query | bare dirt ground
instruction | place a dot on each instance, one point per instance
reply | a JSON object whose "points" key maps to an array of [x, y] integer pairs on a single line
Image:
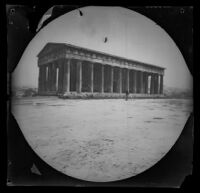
{"points": [[101, 140]]}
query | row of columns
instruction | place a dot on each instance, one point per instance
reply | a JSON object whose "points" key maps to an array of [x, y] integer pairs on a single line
{"points": [[56, 77]]}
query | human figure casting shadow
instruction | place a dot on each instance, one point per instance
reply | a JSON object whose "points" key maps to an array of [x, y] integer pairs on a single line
{"points": [[127, 93]]}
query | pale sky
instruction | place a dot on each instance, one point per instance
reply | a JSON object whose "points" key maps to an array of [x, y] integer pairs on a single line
{"points": [[130, 35]]}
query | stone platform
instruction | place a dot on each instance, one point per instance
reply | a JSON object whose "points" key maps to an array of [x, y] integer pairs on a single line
{"points": [[88, 95]]}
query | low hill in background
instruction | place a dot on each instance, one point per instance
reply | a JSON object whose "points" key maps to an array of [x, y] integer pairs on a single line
{"points": [[169, 92], [172, 92], [23, 91]]}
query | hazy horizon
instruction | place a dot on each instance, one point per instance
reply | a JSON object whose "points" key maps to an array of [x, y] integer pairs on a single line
{"points": [[130, 35]]}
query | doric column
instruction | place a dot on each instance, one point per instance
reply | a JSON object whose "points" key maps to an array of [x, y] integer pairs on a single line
{"points": [[134, 81], [152, 84], [79, 77], [45, 78], [66, 79], [149, 83], [161, 84], [120, 80], [40, 79], [68, 75], [91, 77], [156, 84], [127, 80], [102, 78], [111, 80], [49, 76], [57, 77], [60, 77], [141, 83], [145, 83], [53, 75]]}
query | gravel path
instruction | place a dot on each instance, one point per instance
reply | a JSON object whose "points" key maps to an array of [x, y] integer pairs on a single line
{"points": [[101, 140]]}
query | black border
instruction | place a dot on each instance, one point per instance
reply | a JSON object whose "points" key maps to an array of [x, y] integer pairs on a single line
{"points": [[185, 55]]}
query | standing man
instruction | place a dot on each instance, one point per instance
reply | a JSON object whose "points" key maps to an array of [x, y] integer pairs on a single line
{"points": [[127, 93]]}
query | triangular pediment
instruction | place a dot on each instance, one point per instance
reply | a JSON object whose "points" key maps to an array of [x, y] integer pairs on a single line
{"points": [[49, 48]]}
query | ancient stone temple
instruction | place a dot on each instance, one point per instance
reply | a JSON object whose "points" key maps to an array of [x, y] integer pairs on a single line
{"points": [[66, 70]]}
